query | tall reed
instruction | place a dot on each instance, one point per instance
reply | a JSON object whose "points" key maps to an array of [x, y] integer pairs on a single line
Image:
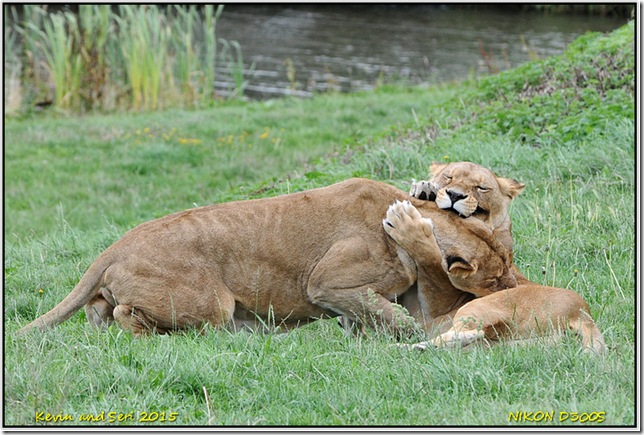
{"points": [[186, 51], [56, 42], [234, 62], [133, 57], [12, 66], [144, 48], [211, 17], [95, 27]]}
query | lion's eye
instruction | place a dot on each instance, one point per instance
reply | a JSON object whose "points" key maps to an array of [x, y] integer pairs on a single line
{"points": [[447, 177], [483, 189]]}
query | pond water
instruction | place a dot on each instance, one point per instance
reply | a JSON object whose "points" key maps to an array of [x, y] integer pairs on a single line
{"points": [[303, 49]]}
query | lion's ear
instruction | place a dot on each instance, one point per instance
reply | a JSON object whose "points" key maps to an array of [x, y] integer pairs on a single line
{"points": [[435, 168], [510, 187], [457, 265]]}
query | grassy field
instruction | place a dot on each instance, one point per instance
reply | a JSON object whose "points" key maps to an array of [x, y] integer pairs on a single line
{"points": [[564, 126]]}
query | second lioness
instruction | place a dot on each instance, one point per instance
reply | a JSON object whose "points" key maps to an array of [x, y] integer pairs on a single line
{"points": [[477, 263], [469, 190]]}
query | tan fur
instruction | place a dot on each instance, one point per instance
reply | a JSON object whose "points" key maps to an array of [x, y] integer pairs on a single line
{"points": [[477, 263], [468, 188], [473, 259], [486, 197], [436, 299], [524, 312], [279, 261]]}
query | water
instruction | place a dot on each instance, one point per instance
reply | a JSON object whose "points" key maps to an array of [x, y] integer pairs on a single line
{"points": [[349, 48]]}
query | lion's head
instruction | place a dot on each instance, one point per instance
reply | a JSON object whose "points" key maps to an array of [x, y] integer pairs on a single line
{"points": [[470, 189], [471, 255], [474, 260]]}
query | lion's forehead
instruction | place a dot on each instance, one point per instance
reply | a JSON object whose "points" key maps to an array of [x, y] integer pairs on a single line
{"points": [[470, 177]]}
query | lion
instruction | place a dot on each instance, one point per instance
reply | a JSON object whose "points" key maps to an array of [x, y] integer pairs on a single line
{"points": [[479, 264], [281, 261]]}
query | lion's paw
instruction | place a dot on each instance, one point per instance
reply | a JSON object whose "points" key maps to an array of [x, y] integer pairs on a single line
{"points": [[423, 190], [405, 224], [453, 338]]}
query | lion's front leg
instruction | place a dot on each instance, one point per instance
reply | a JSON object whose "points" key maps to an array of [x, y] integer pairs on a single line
{"points": [[357, 282], [367, 307]]}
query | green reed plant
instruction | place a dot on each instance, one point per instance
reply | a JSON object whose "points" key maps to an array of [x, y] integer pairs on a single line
{"points": [[194, 47], [105, 58], [186, 51], [95, 27], [145, 49], [12, 66], [33, 76], [211, 17], [232, 57], [57, 42]]}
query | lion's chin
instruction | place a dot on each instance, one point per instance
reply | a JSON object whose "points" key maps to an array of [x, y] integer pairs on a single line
{"points": [[465, 211], [481, 212]]}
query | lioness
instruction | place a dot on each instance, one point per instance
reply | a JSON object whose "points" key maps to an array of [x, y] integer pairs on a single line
{"points": [[477, 263], [282, 261], [469, 190]]}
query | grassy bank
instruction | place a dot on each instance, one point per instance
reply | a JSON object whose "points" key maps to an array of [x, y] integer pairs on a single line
{"points": [[564, 126]]}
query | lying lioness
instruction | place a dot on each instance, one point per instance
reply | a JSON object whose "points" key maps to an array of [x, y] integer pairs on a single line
{"points": [[481, 266], [280, 261]]}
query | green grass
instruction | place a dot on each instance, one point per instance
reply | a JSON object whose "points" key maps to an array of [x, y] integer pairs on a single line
{"points": [[74, 186], [127, 168]]}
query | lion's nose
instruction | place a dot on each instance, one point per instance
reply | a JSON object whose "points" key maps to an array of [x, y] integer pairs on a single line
{"points": [[455, 196]]}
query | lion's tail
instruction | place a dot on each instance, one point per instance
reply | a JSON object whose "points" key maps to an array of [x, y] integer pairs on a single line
{"points": [[75, 300], [591, 337]]}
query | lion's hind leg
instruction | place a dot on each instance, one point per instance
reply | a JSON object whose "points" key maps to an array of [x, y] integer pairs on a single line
{"points": [[591, 337], [135, 321], [99, 310]]}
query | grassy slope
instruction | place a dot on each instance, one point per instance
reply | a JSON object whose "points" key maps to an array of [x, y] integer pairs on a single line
{"points": [[568, 136]]}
